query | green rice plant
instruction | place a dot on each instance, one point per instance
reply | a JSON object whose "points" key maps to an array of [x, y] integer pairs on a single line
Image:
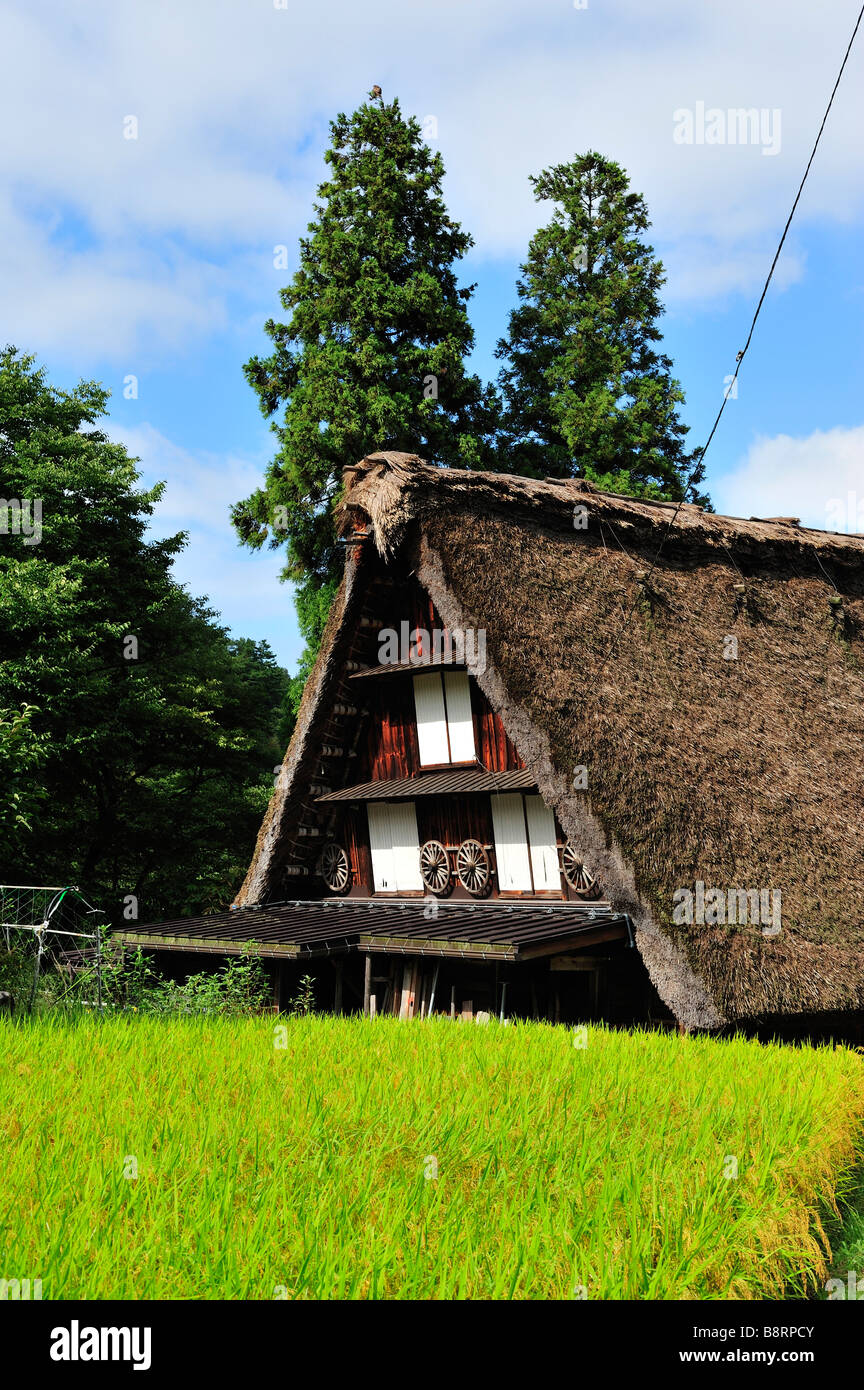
{"points": [[350, 1158], [16, 969], [845, 1226]]}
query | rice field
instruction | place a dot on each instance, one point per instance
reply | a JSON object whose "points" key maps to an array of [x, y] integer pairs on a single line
{"points": [[352, 1158]]}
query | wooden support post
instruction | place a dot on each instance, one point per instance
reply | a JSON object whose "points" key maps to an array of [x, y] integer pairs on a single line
{"points": [[373, 1005], [420, 997], [390, 1002], [367, 982], [434, 986], [595, 992], [503, 1000], [452, 1001], [415, 990], [406, 1003]]}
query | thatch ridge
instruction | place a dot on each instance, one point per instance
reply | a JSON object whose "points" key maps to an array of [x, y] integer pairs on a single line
{"points": [[393, 489]]}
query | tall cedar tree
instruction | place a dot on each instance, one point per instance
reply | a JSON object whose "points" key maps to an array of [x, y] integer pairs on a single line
{"points": [[585, 391], [373, 355], [133, 771]]}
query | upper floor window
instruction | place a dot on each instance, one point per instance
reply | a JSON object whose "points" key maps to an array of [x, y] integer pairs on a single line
{"points": [[445, 724]]}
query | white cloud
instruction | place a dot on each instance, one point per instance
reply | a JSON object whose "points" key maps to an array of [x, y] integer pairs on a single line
{"points": [[120, 302], [819, 478], [233, 99], [201, 486], [243, 586]]}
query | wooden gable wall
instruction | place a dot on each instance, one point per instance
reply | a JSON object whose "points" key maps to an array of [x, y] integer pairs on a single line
{"points": [[389, 748]]}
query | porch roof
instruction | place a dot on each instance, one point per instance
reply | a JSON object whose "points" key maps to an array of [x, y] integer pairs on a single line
{"points": [[492, 930], [466, 780]]}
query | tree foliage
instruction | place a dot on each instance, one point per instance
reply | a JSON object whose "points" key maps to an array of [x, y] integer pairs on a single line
{"points": [[372, 355], [137, 739], [586, 391]]}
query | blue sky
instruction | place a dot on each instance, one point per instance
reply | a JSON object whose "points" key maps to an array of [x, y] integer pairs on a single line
{"points": [[154, 256]]}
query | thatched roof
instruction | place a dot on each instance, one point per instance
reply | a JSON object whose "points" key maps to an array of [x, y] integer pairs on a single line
{"points": [[742, 773]]}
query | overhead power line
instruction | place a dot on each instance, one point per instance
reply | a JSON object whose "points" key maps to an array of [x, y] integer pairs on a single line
{"points": [[743, 353]]}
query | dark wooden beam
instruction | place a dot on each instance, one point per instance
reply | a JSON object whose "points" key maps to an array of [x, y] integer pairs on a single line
{"points": [[566, 945]]}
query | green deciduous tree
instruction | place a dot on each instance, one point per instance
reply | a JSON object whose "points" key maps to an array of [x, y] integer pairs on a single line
{"points": [[586, 391], [22, 754], [373, 353], [144, 762]]}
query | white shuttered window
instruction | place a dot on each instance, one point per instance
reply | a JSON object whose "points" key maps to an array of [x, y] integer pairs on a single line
{"points": [[542, 841], [526, 851], [445, 724], [460, 720], [511, 846], [395, 846], [431, 720]]}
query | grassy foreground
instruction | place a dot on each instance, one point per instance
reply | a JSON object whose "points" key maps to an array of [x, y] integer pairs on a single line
{"points": [[415, 1160]]}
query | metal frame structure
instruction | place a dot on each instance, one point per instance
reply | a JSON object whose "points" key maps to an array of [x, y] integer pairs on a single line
{"points": [[50, 904]]}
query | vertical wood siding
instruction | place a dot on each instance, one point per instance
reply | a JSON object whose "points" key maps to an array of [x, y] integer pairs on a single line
{"points": [[390, 748], [494, 748], [454, 819]]}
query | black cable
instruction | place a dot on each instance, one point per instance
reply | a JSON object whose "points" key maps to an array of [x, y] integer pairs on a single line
{"points": [[743, 353]]}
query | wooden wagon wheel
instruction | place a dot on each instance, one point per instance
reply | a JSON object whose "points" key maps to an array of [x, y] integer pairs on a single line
{"points": [[581, 880], [333, 868], [472, 866], [435, 867]]}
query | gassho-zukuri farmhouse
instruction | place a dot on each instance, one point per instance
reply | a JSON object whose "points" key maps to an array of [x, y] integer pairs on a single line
{"points": [[537, 774]]}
